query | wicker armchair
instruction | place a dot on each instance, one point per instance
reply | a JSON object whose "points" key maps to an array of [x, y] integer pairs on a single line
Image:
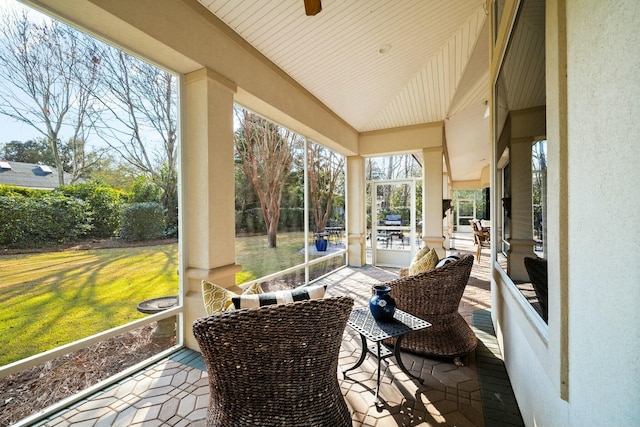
{"points": [[434, 296], [276, 365], [537, 271], [481, 237]]}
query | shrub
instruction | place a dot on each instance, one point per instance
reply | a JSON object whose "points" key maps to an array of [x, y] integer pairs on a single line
{"points": [[13, 191], [142, 221], [30, 222], [145, 190], [105, 204], [250, 221], [291, 219]]}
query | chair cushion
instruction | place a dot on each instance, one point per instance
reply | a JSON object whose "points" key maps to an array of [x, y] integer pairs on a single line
{"points": [[427, 263], [218, 299], [279, 297], [447, 260]]}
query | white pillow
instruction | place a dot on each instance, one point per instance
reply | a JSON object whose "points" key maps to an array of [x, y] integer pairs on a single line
{"points": [[447, 260]]}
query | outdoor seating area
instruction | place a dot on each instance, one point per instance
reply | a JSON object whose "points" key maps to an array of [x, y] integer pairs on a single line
{"points": [[176, 392]]}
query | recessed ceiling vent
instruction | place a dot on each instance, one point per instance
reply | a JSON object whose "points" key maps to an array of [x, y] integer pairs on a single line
{"points": [[4, 164]]}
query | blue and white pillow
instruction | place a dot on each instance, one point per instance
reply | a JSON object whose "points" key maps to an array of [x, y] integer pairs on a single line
{"points": [[279, 297], [447, 260]]}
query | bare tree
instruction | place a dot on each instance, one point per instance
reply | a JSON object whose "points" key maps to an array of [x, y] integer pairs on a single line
{"points": [[325, 168], [141, 100], [49, 71], [266, 153]]}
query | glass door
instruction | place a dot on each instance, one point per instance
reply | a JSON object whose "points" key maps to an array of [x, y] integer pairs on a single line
{"points": [[466, 209], [394, 237]]}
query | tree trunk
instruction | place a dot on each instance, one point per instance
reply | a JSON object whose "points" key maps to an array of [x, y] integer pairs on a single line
{"points": [[272, 235]]}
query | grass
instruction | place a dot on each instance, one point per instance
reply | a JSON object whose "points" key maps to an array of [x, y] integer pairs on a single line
{"points": [[51, 299], [257, 261]]}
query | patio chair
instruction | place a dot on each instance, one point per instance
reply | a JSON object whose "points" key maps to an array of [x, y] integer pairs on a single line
{"points": [[481, 237], [434, 296], [537, 270], [276, 365]]}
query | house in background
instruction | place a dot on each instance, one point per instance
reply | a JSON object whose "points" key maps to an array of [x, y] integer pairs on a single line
{"points": [[30, 175]]}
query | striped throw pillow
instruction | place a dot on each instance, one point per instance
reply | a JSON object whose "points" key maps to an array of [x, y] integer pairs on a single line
{"points": [[279, 297], [447, 260]]}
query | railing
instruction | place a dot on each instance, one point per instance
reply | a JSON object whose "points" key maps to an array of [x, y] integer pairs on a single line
{"points": [[295, 269]]}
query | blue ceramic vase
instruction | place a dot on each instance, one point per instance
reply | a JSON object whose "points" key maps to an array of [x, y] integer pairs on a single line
{"points": [[321, 245], [382, 305]]}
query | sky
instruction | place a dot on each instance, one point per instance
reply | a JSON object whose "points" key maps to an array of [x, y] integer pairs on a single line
{"points": [[15, 131], [12, 130]]}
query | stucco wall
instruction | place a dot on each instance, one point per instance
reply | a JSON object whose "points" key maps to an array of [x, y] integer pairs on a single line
{"points": [[583, 369], [603, 103], [401, 140]]}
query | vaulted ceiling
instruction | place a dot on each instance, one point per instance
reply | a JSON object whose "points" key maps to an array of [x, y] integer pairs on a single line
{"points": [[383, 63]]}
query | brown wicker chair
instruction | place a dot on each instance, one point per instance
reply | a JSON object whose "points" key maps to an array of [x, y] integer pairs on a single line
{"points": [[434, 296], [537, 270], [276, 365], [481, 237]]}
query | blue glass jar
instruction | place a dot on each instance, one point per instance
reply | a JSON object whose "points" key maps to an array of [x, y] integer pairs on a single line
{"points": [[381, 304]]}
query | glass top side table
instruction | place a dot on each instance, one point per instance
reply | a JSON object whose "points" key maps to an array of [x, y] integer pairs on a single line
{"points": [[369, 328]]}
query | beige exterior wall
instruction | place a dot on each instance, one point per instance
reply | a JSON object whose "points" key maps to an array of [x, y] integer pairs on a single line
{"points": [[409, 139], [582, 369], [207, 208], [603, 148], [432, 184], [357, 219]]}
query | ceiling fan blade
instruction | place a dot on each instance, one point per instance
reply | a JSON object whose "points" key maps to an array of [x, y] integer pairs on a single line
{"points": [[312, 7]]}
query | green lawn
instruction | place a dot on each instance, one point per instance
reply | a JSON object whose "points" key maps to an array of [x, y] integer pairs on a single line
{"points": [[257, 261], [51, 299]]}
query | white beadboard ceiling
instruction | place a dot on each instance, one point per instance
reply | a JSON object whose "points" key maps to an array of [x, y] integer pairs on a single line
{"points": [[434, 63]]}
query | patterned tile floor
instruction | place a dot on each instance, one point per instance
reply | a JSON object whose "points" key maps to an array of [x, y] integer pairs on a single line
{"points": [[174, 392]]}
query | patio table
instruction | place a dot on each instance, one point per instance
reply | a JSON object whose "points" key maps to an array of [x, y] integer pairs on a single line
{"points": [[371, 329]]}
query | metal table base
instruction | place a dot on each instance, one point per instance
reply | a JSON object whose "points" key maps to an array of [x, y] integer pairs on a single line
{"points": [[363, 322]]}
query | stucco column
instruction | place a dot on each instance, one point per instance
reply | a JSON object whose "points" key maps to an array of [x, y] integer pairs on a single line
{"points": [[447, 220], [208, 226], [521, 242], [432, 199], [357, 218]]}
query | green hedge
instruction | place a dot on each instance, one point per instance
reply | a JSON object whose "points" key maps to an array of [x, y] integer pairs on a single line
{"points": [[252, 221], [36, 222], [13, 191], [291, 219], [142, 221], [105, 203]]}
